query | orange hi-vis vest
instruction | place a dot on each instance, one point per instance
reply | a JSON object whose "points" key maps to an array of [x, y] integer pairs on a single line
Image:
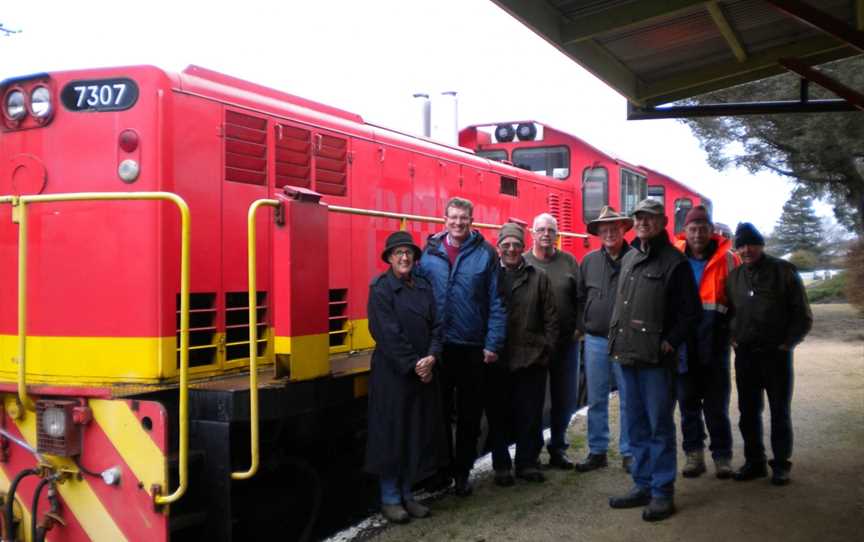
{"points": [[712, 288]]}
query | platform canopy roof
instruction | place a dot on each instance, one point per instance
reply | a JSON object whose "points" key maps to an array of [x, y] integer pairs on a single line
{"points": [[660, 51]]}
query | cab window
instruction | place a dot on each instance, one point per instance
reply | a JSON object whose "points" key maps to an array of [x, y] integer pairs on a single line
{"points": [[634, 188], [494, 154], [682, 207], [595, 192], [550, 161], [658, 193]]}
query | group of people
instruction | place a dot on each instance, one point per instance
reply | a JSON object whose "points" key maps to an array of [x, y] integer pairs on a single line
{"points": [[462, 328]]}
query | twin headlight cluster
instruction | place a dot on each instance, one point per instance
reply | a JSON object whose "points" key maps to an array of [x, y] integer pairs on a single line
{"points": [[17, 104]]}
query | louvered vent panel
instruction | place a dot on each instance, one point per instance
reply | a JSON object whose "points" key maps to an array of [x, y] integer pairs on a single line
{"points": [[331, 165], [203, 342], [565, 222], [237, 325], [245, 148], [293, 156]]}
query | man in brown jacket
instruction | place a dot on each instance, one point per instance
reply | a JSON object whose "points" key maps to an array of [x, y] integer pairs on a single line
{"points": [[516, 383], [770, 316]]}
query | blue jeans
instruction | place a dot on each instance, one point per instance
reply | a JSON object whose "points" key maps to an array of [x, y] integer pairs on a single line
{"points": [[650, 396], [705, 388], [598, 371], [563, 394], [390, 492]]}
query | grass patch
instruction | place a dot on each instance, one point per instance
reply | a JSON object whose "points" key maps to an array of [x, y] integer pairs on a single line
{"points": [[832, 290]]}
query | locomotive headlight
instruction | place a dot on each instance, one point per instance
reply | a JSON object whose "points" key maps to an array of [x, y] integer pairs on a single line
{"points": [[40, 102], [128, 170], [15, 106], [54, 422]]}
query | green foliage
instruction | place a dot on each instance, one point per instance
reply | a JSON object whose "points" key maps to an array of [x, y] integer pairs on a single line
{"points": [[855, 281], [804, 260], [822, 152], [828, 291], [798, 229]]}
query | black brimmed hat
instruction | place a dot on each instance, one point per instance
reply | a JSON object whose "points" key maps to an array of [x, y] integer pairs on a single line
{"points": [[608, 214], [399, 239]]}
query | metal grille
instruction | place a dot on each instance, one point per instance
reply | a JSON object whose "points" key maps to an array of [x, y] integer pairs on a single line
{"points": [[293, 156], [338, 317], [245, 148], [237, 325], [202, 329], [331, 165], [66, 445]]}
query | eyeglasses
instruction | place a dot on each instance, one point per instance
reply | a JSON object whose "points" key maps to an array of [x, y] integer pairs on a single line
{"points": [[511, 246], [403, 253]]}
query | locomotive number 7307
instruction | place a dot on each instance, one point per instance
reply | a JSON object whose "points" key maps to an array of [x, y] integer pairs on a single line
{"points": [[99, 95]]}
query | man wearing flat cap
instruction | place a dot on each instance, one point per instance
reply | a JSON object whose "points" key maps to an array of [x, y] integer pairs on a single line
{"points": [[517, 382], [704, 375], [598, 285], [657, 308], [770, 316]]}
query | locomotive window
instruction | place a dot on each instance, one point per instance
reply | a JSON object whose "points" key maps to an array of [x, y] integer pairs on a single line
{"points": [[509, 186], [550, 161], [494, 154], [634, 188], [658, 193], [595, 192], [682, 207]]}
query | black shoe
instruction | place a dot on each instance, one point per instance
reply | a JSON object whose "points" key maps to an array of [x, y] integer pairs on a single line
{"points": [[592, 462], [438, 482], [463, 488], [751, 471], [636, 497], [658, 509], [416, 510], [627, 463], [780, 472], [559, 461], [530, 474], [503, 478], [395, 513]]}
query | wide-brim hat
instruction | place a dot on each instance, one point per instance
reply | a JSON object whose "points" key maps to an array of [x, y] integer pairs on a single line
{"points": [[399, 239], [608, 214]]}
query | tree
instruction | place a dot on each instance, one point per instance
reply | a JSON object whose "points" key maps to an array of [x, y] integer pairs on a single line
{"points": [[822, 152], [798, 228]]}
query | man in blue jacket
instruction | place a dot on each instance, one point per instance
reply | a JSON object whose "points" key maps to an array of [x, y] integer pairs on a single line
{"points": [[463, 270]]}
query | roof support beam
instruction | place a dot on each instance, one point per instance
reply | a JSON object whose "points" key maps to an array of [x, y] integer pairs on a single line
{"points": [[737, 109], [851, 95], [821, 20], [726, 30], [585, 27], [817, 50]]}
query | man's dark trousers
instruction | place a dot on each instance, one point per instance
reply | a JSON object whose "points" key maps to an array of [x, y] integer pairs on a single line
{"points": [[463, 386], [705, 388], [771, 371], [515, 412]]}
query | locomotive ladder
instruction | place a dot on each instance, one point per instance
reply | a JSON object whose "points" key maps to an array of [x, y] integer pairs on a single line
{"points": [[19, 215]]}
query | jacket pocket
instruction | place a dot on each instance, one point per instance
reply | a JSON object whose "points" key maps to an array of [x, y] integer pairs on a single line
{"points": [[645, 338]]}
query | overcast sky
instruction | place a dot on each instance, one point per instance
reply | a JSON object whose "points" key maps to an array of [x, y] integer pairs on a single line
{"points": [[369, 57]]}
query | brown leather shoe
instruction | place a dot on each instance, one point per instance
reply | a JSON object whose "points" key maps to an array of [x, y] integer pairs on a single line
{"points": [[395, 513], [416, 510]]}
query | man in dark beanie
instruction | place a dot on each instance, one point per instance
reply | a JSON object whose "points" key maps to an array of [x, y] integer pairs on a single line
{"points": [[770, 315], [704, 377]]}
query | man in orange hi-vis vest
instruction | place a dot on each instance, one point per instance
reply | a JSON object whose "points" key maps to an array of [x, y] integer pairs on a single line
{"points": [[704, 376]]}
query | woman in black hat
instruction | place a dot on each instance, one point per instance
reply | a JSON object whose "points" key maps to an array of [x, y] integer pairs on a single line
{"points": [[406, 441]]}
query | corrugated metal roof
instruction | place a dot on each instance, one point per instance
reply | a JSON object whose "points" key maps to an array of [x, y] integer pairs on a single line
{"points": [[658, 51]]}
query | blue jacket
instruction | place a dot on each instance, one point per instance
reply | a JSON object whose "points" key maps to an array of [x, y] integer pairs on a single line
{"points": [[466, 295]]}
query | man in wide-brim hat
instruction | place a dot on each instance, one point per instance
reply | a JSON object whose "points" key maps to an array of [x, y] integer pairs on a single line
{"points": [[598, 282]]}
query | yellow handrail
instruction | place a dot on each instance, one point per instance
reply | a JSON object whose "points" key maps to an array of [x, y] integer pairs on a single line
{"points": [[403, 218], [20, 215], [253, 340]]}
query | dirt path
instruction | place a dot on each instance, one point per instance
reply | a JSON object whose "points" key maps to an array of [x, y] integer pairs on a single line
{"points": [[824, 502]]}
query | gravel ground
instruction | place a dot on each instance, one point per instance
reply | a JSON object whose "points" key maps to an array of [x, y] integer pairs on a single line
{"points": [[824, 502]]}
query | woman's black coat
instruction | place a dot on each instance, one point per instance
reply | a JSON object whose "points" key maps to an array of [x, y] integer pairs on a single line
{"points": [[406, 432]]}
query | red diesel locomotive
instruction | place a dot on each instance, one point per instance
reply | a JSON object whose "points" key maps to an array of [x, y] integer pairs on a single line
{"points": [[598, 178], [187, 258]]}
